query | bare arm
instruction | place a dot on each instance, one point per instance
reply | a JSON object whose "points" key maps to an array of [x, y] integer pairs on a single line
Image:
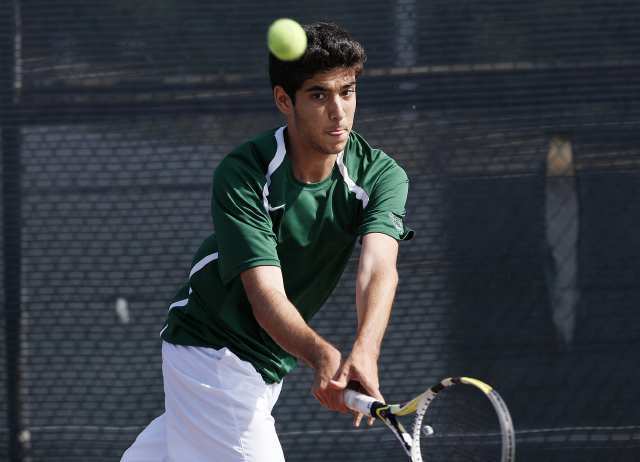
{"points": [[375, 289], [376, 284], [282, 321]]}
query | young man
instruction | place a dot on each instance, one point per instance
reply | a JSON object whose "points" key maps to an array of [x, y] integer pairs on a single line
{"points": [[288, 208]]}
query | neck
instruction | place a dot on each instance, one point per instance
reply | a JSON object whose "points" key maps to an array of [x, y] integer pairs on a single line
{"points": [[309, 165]]}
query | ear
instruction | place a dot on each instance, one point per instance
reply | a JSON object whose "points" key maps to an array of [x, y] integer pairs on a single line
{"points": [[282, 100]]}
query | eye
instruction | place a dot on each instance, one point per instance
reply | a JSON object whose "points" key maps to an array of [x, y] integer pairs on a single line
{"points": [[318, 96], [349, 92]]}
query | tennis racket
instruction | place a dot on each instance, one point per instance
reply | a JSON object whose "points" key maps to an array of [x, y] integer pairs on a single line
{"points": [[460, 419]]}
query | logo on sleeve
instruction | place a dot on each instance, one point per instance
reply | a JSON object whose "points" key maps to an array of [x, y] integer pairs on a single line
{"points": [[396, 221]]}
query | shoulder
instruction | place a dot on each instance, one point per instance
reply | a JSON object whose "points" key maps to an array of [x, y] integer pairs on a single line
{"points": [[370, 165], [249, 160]]}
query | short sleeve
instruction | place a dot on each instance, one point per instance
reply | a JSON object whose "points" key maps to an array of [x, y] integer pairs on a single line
{"points": [[385, 212], [243, 229]]}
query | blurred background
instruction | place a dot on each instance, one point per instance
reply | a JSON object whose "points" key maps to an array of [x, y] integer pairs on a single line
{"points": [[517, 122]]}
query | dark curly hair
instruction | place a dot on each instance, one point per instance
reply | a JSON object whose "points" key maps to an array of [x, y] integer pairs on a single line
{"points": [[328, 47]]}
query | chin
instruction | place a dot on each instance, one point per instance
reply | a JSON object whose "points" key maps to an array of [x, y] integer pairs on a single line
{"points": [[336, 148]]}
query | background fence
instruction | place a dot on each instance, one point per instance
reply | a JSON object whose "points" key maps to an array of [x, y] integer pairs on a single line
{"points": [[517, 122]]}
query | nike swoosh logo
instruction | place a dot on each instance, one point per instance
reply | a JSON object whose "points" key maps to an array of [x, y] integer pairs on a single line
{"points": [[271, 209]]}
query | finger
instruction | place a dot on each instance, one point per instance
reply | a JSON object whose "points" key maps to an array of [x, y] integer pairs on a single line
{"points": [[371, 421], [317, 396], [323, 390], [337, 385], [322, 384], [357, 420], [321, 397], [372, 390], [341, 379], [370, 387], [338, 404], [332, 400]]}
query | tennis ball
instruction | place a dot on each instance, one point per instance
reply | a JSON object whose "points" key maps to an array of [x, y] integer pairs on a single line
{"points": [[286, 39]]}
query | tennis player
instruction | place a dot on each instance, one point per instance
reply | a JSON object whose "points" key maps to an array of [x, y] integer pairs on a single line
{"points": [[288, 208]]}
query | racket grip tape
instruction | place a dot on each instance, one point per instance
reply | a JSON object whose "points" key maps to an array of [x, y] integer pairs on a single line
{"points": [[361, 403]]}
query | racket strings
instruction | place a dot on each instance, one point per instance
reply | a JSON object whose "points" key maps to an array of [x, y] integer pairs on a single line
{"points": [[465, 427]]}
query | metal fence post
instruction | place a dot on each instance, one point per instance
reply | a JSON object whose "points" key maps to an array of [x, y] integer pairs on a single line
{"points": [[11, 220]]}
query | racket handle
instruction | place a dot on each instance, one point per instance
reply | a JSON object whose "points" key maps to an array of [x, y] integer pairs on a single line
{"points": [[359, 402]]}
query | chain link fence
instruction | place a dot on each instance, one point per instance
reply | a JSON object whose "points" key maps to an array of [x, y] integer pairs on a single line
{"points": [[517, 122]]}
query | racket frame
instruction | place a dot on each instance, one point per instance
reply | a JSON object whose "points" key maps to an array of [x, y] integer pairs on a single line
{"points": [[419, 405]]}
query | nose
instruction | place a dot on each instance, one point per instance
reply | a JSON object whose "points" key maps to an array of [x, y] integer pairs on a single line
{"points": [[336, 109]]}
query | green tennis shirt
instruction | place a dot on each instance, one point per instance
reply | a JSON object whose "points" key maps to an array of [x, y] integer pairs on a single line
{"points": [[263, 216]]}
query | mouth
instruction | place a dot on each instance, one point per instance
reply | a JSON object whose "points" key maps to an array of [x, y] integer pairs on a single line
{"points": [[338, 132]]}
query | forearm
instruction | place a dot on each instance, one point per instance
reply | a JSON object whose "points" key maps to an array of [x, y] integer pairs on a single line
{"points": [[282, 321], [375, 290]]}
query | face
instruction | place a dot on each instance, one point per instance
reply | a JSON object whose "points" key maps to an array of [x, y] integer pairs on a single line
{"points": [[322, 116]]}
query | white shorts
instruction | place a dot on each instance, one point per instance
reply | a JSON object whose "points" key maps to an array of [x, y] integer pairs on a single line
{"points": [[217, 408]]}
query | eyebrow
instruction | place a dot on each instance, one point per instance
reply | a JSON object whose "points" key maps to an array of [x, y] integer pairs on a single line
{"points": [[321, 88]]}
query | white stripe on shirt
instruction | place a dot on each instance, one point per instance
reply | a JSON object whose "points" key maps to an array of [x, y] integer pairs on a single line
{"points": [[354, 188], [273, 166], [197, 267]]}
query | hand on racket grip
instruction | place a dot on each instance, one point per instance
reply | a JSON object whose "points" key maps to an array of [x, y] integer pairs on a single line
{"points": [[326, 365], [360, 372]]}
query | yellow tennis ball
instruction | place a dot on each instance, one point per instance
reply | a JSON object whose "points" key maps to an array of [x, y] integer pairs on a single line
{"points": [[286, 39]]}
